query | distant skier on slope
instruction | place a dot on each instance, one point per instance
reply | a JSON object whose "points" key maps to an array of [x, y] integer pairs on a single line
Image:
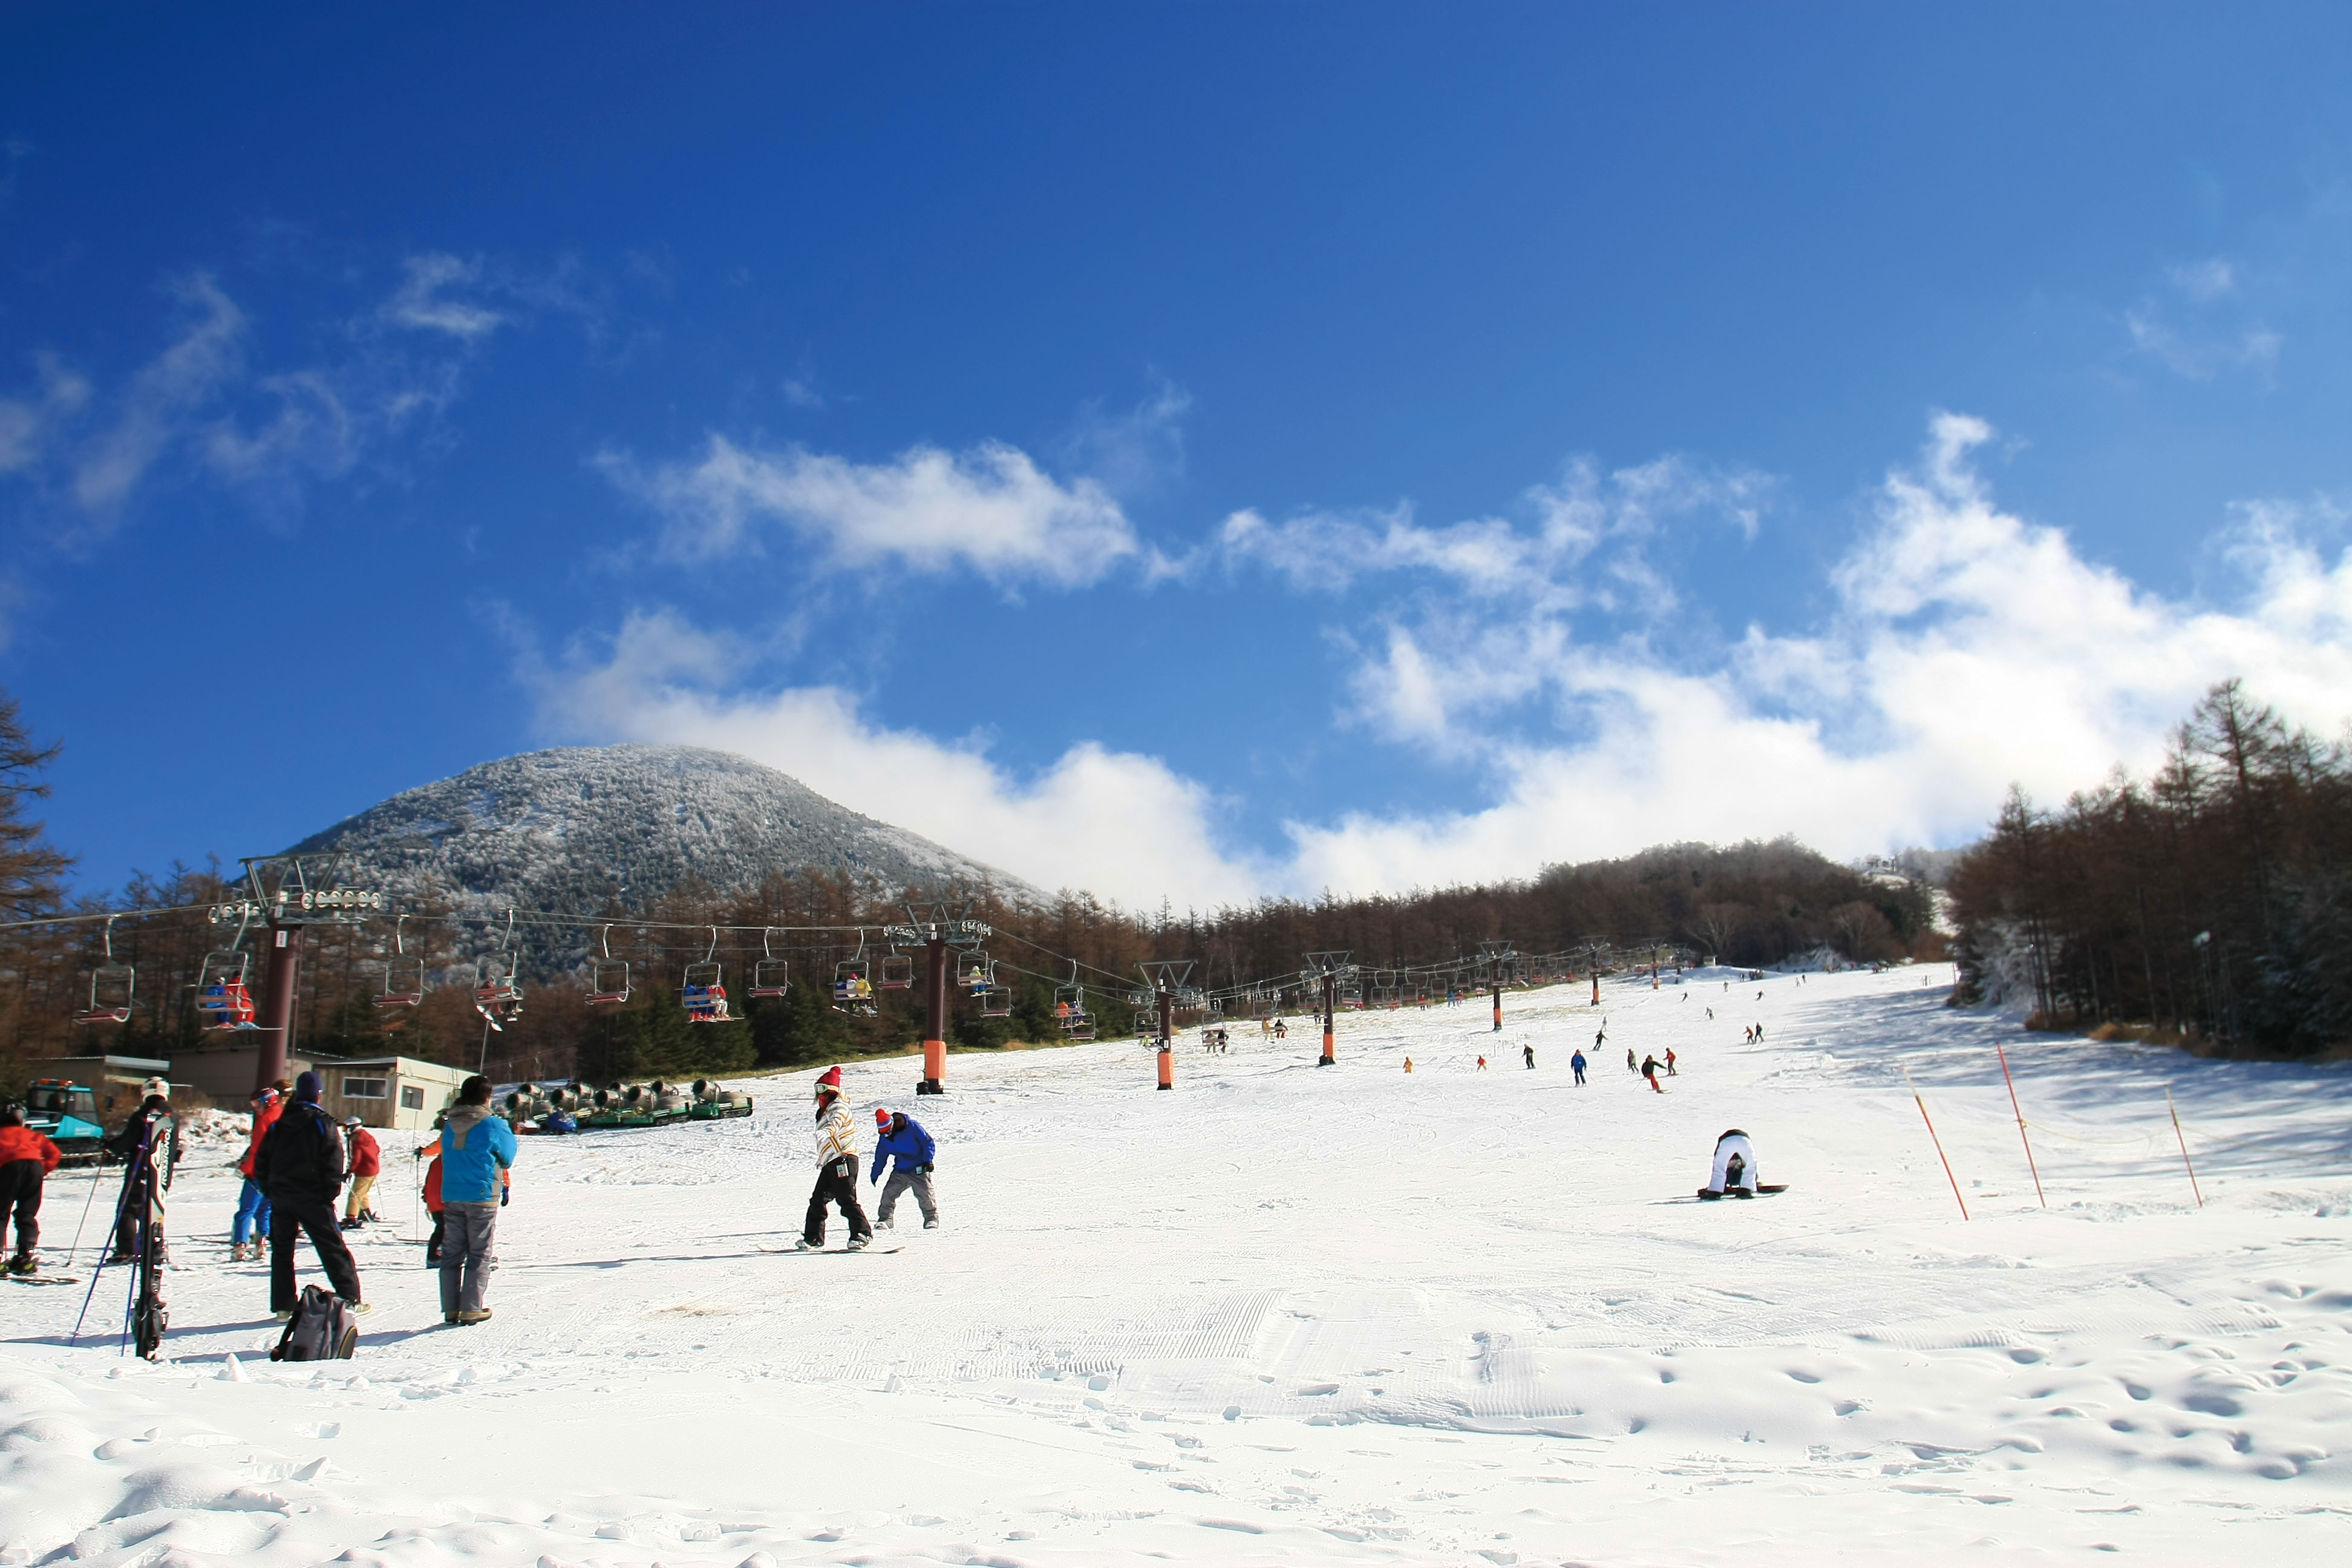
{"points": [[900, 1138], [1670, 1063], [1576, 1063], [1631, 1064], [1529, 1052], [836, 1168]]}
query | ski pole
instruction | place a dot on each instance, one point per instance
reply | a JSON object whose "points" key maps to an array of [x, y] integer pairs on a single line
{"points": [[92, 1294], [2184, 1145], [1939, 1145], [2021, 1123], [97, 1169]]}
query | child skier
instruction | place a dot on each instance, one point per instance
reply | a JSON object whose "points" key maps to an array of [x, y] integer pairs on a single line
{"points": [[900, 1138], [836, 1168], [27, 1158], [366, 1164]]}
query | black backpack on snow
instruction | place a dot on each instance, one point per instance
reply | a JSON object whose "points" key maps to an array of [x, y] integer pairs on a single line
{"points": [[321, 1330]]}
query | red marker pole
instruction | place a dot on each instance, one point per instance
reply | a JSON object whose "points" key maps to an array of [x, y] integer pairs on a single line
{"points": [[1938, 1142], [1167, 1039], [935, 1022], [2021, 1123], [1330, 1025]]}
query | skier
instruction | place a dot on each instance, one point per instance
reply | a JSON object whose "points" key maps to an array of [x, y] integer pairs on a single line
{"points": [[1482, 1064], [1670, 1063], [1529, 1052], [138, 1128], [1281, 1029], [1631, 1064], [836, 1171], [900, 1138], [299, 1167], [1650, 1071], [1408, 1064], [27, 1158], [251, 1226], [366, 1164], [1576, 1063], [1759, 1033]]}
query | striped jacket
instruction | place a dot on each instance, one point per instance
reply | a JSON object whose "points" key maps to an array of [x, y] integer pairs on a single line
{"points": [[836, 1134]]}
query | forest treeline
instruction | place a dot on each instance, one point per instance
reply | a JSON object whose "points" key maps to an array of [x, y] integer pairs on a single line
{"points": [[2210, 902], [1750, 904]]}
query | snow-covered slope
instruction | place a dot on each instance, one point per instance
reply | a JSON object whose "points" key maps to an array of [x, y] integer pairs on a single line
{"points": [[565, 830], [1451, 1318]]}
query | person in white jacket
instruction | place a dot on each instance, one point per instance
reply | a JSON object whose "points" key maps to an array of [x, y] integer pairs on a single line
{"points": [[837, 1168]]}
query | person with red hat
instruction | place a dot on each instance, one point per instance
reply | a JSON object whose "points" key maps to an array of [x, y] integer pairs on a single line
{"points": [[900, 1138], [836, 1168]]}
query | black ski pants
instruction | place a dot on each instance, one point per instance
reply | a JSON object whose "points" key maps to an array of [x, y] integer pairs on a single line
{"points": [[291, 1217], [835, 1184], [20, 1195]]}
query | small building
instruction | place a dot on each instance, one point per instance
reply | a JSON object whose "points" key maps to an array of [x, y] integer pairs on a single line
{"points": [[115, 1080], [405, 1092], [227, 1074]]}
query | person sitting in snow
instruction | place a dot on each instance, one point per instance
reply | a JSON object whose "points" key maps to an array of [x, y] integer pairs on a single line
{"points": [[900, 1138], [836, 1168]]}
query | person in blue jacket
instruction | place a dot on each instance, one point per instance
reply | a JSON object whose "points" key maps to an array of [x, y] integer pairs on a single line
{"points": [[475, 1149], [902, 1139]]}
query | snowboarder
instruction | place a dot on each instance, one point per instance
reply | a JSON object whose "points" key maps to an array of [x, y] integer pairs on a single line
{"points": [[900, 1138], [138, 1128], [477, 1147], [1650, 1072], [1529, 1052], [1576, 1063], [367, 1163], [299, 1167], [27, 1158], [251, 1226], [836, 1168], [1670, 1062], [1734, 1164]]}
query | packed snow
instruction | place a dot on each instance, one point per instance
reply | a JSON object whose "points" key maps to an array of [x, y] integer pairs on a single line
{"points": [[1286, 1314]]}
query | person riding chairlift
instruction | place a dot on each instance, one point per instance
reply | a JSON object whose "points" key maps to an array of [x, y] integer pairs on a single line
{"points": [[229, 1003], [706, 1003]]}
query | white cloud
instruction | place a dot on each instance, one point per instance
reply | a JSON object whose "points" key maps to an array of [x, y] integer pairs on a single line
{"points": [[424, 303], [1117, 824], [154, 407], [990, 509], [28, 426]]}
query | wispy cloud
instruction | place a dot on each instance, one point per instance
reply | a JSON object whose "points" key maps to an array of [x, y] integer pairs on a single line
{"points": [[432, 298], [990, 509]]}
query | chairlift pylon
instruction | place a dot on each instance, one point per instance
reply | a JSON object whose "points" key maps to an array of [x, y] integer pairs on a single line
{"points": [[404, 976], [771, 976], [703, 992], [111, 987], [608, 977]]}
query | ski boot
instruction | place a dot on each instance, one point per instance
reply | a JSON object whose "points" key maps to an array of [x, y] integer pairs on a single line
{"points": [[24, 1265], [860, 1243], [931, 1224], [805, 1245], [349, 1222], [238, 1252]]}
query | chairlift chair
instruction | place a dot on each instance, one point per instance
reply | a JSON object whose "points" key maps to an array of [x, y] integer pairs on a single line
{"points": [[222, 996], [403, 976], [771, 976], [852, 985], [498, 997], [704, 991], [111, 988], [995, 1002], [975, 971], [898, 973], [608, 977]]}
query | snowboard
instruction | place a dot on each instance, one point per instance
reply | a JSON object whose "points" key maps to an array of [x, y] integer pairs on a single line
{"points": [[45, 1279], [1766, 1190], [826, 1251]]}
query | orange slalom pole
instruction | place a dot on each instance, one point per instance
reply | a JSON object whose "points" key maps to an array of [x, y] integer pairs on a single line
{"points": [[1167, 1065], [2184, 1146], [2021, 1123], [1938, 1143]]}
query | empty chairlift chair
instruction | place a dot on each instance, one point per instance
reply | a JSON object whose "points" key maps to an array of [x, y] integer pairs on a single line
{"points": [[771, 976], [404, 976], [608, 977], [898, 972], [111, 985]]}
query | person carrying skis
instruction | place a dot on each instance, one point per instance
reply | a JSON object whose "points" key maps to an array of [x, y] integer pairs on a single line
{"points": [[1576, 1063], [367, 1163], [250, 1228], [27, 1158], [151, 1120], [1650, 1072], [900, 1138], [299, 1167], [476, 1150], [836, 1168]]}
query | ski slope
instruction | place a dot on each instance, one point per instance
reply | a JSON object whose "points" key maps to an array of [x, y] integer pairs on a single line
{"points": [[1292, 1315]]}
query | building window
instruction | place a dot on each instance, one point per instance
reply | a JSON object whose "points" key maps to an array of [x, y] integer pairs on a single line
{"points": [[364, 1087], [412, 1096]]}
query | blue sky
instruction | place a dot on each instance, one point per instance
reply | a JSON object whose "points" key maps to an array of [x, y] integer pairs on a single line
{"points": [[1191, 450]]}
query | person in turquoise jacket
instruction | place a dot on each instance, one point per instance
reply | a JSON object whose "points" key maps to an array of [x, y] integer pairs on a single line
{"points": [[475, 1149]]}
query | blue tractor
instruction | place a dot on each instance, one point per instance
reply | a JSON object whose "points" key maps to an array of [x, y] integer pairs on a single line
{"points": [[67, 1113]]}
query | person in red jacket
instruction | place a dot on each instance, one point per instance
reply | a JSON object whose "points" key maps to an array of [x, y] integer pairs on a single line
{"points": [[27, 1158], [366, 1164], [251, 1226]]}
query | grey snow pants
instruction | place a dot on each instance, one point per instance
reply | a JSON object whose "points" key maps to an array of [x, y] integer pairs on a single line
{"points": [[468, 1233], [901, 1178]]}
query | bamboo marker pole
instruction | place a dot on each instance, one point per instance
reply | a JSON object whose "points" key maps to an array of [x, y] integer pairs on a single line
{"points": [[2184, 1146], [1938, 1143], [2021, 1123]]}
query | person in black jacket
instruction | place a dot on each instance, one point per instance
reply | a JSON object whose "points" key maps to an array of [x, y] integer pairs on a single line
{"points": [[299, 1167], [153, 1119]]}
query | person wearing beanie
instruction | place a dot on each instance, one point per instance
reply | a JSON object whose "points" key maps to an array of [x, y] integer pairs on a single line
{"points": [[900, 1138], [27, 1158], [476, 1150], [836, 1168], [151, 1122], [250, 1228], [367, 1163], [299, 1167]]}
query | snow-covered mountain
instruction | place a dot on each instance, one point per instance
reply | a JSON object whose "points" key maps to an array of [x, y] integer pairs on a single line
{"points": [[568, 828]]}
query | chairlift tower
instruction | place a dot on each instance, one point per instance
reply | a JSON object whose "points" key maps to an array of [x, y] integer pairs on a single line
{"points": [[291, 893], [943, 926], [1167, 977], [1493, 955], [1326, 970]]}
